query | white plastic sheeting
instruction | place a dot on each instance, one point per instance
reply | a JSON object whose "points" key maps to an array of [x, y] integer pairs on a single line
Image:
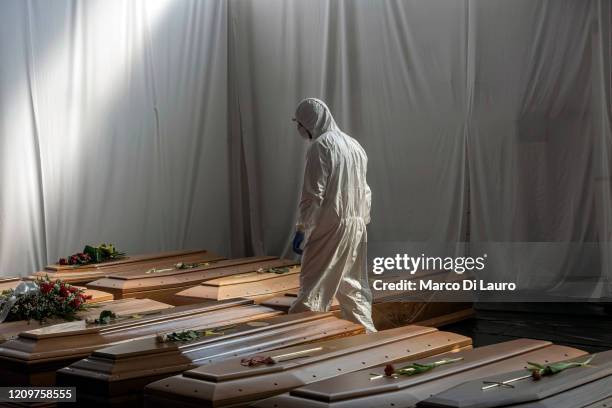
{"points": [[493, 108], [112, 127], [117, 119]]}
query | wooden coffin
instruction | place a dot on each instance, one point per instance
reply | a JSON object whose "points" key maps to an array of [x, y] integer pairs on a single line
{"points": [[573, 388], [257, 285], [604, 403], [35, 355], [97, 296], [368, 388], [138, 263], [163, 286], [122, 308], [230, 383], [116, 375], [285, 300], [387, 315], [7, 283]]}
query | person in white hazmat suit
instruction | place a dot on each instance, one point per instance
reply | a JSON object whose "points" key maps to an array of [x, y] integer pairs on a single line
{"points": [[333, 213]]}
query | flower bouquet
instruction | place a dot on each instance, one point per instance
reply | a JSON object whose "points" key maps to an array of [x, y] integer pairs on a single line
{"points": [[92, 254], [42, 299]]}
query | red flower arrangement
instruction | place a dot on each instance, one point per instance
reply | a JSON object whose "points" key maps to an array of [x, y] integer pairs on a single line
{"points": [[91, 254], [55, 299]]}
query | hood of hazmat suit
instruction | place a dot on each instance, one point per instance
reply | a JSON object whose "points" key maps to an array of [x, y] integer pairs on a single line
{"points": [[333, 212]]}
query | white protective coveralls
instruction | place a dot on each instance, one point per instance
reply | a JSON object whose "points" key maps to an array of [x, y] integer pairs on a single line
{"points": [[333, 212]]}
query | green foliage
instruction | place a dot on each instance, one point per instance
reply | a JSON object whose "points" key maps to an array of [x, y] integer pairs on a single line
{"points": [[540, 370], [104, 252], [277, 270], [417, 368], [187, 335], [182, 265]]}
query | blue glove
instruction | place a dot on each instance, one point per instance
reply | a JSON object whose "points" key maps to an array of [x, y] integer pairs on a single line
{"points": [[297, 242]]}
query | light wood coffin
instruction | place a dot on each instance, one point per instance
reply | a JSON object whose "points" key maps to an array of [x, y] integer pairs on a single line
{"points": [[229, 383], [573, 388], [117, 375], [387, 315], [122, 308], [163, 286], [35, 355], [7, 283], [251, 285], [285, 300], [97, 296], [367, 388], [136, 263]]}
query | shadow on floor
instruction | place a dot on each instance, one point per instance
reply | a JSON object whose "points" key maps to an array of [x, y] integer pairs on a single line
{"points": [[587, 326]]}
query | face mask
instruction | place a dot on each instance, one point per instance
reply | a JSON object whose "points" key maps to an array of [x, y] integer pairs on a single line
{"points": [[304, 132]]}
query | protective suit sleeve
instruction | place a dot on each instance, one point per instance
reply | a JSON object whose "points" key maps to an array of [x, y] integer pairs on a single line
{"points": [[313, 189], [368, 199]]}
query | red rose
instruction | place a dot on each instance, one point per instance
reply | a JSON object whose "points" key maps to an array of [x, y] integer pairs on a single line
{"points": [[86, 297], [46, 287], [75, 303], [389, 370], [73, 289], [64, 292], [63, 261]]}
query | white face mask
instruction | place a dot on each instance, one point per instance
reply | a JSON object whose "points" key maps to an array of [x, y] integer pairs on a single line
{"points": [[303, 132]]}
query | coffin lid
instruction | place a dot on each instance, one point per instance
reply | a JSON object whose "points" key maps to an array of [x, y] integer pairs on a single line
{"points": [[87, 274], [216, 265], [229, 383], [133, 259], [249, 277], [123, 307], [144, 347], [97, 296], [471, 395], [247, 285], [81, 327], [79, 342], [8, 279], [359, 384], [232, 369], [407, 391], [147, 358]]}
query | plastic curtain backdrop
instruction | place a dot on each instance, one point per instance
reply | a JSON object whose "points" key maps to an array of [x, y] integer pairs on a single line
{"points": [[112, 128], [486, 121]]}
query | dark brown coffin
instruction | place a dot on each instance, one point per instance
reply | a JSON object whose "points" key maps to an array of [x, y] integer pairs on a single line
{"points": [[163, 286], [360, 390], [35, 355], [140, 263], [251, 285], [122, 308], [116, 376], [572, 388], [228, 383]]}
